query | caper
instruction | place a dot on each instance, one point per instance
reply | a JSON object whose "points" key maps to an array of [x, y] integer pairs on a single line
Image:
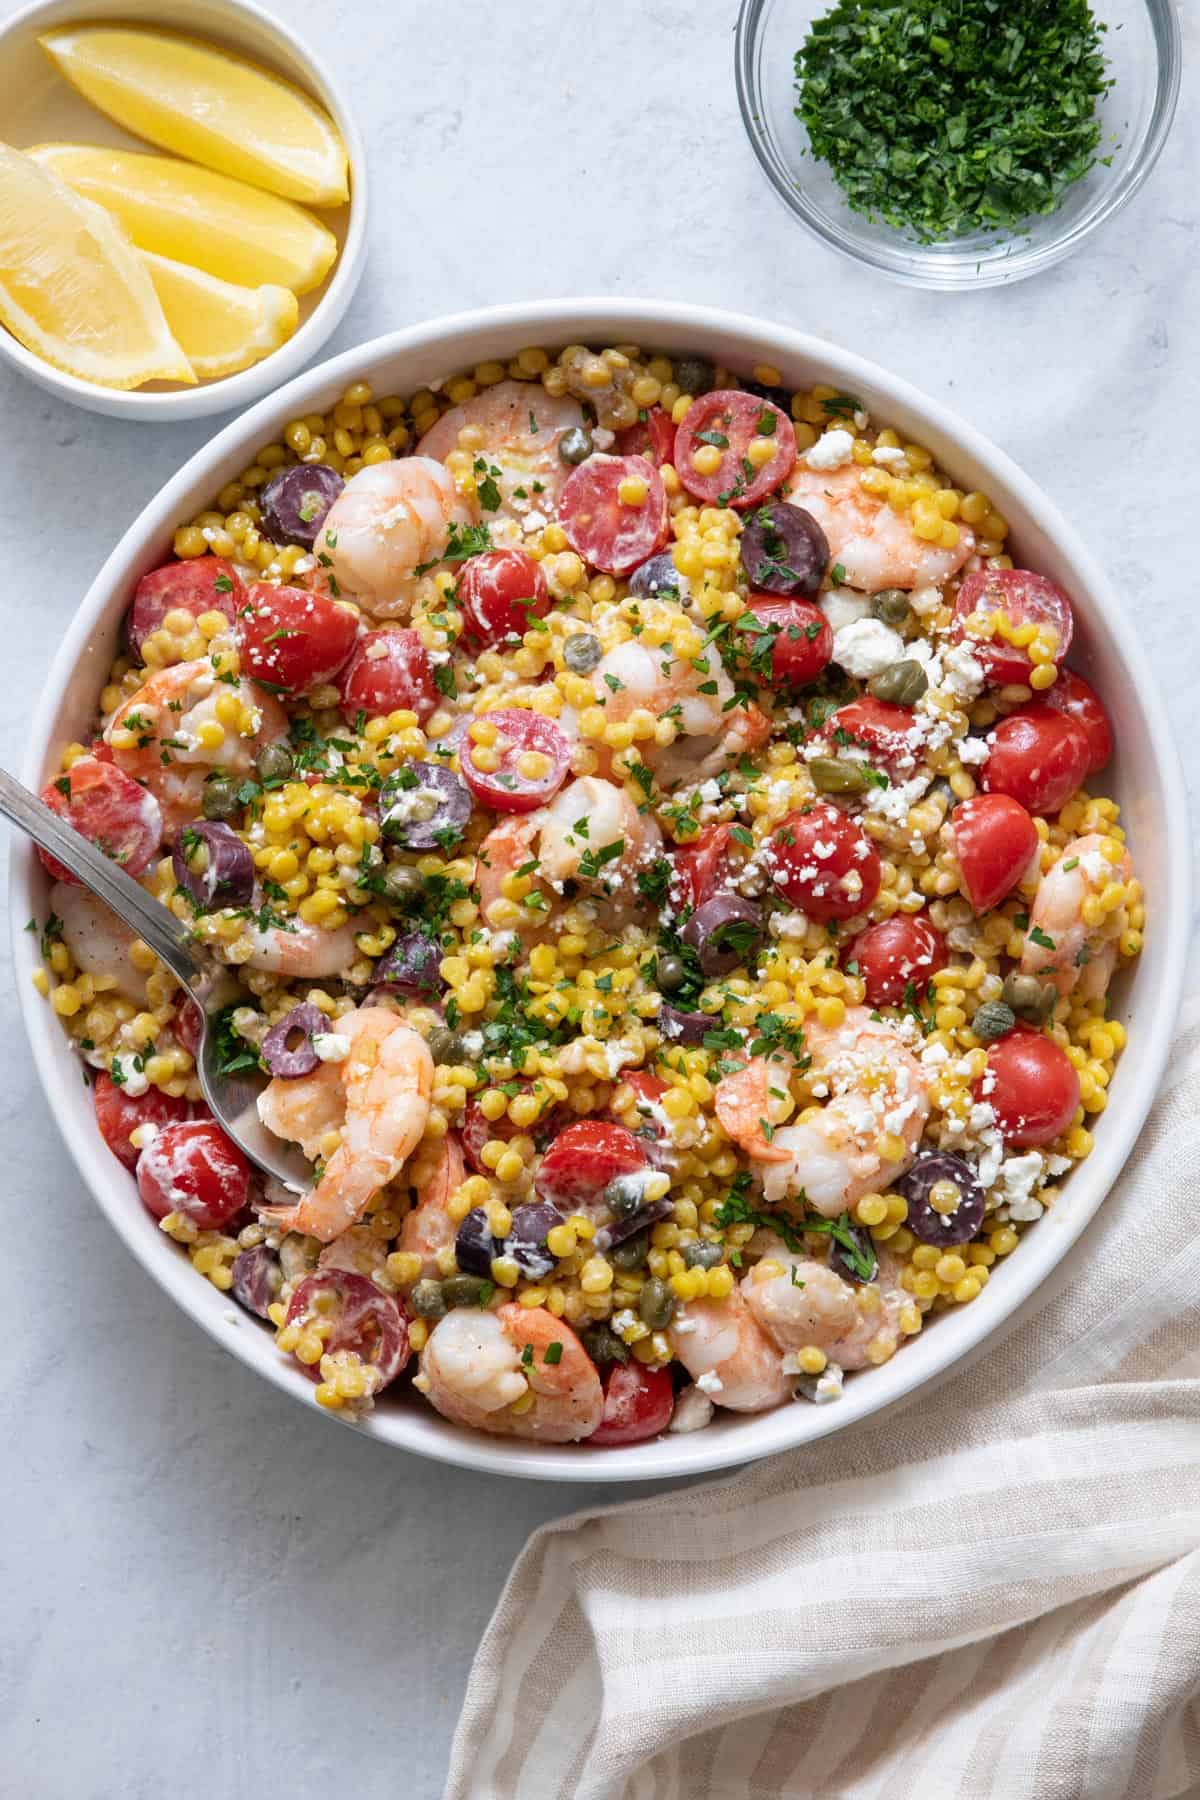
{"points": [[401, 884], [581, 652], [275, 762], [672, 973], [694, 375], [702, 1256], [575, 445], [994, 1019], [656, 1304], [632, 1253], [464, 1290], [624, 1194], [832, 776], [1029, 998], [427, 1300], [603, 1345], [901, 683], [892, 605], [220, 798], [446, 1047]]}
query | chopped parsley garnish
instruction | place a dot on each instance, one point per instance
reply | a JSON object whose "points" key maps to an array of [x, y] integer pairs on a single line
{"points": [[234, 1054], [1038, 936]]}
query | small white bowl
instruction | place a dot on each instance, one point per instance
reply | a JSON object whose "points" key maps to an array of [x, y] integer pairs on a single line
{"points": [[37, 104], [1145, 778]]}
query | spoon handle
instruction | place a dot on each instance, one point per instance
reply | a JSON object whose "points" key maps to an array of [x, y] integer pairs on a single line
{"points": [[167, 936]]}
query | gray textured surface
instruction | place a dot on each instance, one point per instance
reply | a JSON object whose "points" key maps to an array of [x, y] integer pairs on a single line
{"points": [[197, 1597]]}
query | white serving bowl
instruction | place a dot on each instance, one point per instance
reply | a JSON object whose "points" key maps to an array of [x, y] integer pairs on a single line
{"points": [[1145, 778], [38, 105]]}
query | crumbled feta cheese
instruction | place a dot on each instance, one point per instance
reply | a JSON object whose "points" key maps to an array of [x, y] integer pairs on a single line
{"points": [[867, 647], [710, 1382], [623, 1320], [887, 455], [821, 1389], [896, 801], [602, 437], [331, 1046], [693, 1410], [128, 1077], [1019, 1176], [842, 606], [831, 450], [973, 750], [962, 673]]}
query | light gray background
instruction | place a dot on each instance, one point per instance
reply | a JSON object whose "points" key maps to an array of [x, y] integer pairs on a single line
{"points": [[204, 1591]]}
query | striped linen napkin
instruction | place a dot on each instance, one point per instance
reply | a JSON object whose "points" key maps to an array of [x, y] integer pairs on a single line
{"points": [[989, 1592]]}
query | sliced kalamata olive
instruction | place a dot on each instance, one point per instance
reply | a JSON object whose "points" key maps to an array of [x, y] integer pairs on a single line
{"points": [[227, 875], [778, 396], [474, 1247], [724, 932], [784, 550], [685, 1027], [526, 1240], [424, 807], [288, 1049], [852, 1268], [412, 964], [658, 575], [620, 1229], [294, 503], [257, 1279], [926, 1220]]}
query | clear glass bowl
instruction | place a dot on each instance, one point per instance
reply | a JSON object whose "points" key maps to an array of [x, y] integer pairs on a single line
{"points": [[1142, 45]]}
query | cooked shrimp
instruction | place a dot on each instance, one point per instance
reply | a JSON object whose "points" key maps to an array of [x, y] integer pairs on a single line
{"points": [[1060, 943], [429, 1228], [722, 1346], [516, 427], [98, 941], [379, 1098], [170, 734], [299, 948], [752, 1101], [516, 1372], [388, 521], [633, 677], [799, 1301], [876, 546]]}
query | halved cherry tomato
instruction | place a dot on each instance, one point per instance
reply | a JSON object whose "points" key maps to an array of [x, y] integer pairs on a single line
{"points": [[1072, 695], [886, 732], [186, 1025], [389, 671], [794, 647], [1032, 1087], [898, 953], [1039, 756], [650, 1131], [499, 593], [606, 531], [201, 584], [995, 840], [294, 639], [638, 1403], [1024, 599], [193, 1168], [109, 808], [700, 863], [516, 785], [816, 855], [478, 1129], [584, 1158], [370, 1323], [119, 1113], [730, 421], [652, 437]]}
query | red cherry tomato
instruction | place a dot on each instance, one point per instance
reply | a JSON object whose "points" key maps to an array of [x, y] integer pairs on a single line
{"points": [[730, 421], [1032, 1087], [119, 1113], [638, 1403], [886, 732], [1024, 599], [510, 788], [201, 584], [478, 1129], [186, 1026], [108, 807], [389, 671], [1072, 695], [652, 437], [366, 1321], [294, 639], [798, 633], [584, 1158], [814, 852], [193, 1168], [700, 864], [600, 526], [1040, 757], [650, 1131], [898, 953], [994, 839], [499, 593]]}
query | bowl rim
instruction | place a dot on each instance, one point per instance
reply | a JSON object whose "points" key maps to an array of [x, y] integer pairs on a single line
{"points": [[460, 335], [244, 385], [909, 263]]}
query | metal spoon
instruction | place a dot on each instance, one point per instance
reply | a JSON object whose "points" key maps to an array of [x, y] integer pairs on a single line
{"points": [[231, 1098]]}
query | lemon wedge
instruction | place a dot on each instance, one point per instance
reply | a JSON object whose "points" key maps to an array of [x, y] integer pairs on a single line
{"points": [[206, 103], [191, 215], [221, 327], [72, 287]]}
